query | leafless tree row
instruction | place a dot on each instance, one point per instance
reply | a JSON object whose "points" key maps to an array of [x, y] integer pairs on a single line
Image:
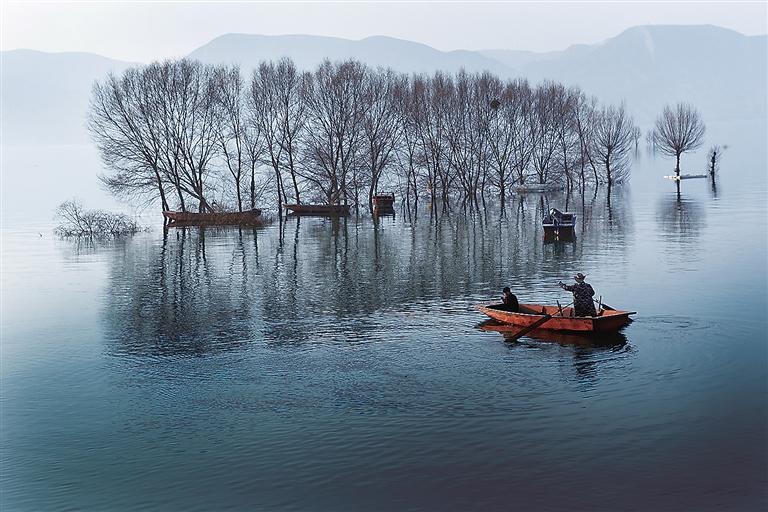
{"points": [[194, 136]]}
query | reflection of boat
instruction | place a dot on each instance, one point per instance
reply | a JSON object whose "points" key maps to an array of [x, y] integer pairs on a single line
{"points": [[604, 339], [320, 210], [562, 319], [560, 235], [217, 218]]}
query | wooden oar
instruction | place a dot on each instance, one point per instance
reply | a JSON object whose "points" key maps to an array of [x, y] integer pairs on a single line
{"points": [[604, 305], [531, 327]]}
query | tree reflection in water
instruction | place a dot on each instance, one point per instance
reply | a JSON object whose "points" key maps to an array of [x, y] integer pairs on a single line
{"points": [[313, 280], [177, 300], [680, 221]]}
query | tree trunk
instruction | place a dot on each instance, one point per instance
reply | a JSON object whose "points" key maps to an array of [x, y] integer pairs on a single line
{"points": [[181, 199], [279, 193], [163, 201], [293, 177], [677, 165], [253, 187]]}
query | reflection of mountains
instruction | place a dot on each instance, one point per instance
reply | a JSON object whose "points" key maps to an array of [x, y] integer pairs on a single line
{"points": [[310, 279]]}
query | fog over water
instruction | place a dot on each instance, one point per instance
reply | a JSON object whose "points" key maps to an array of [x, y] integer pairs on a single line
{"points": [[340, 365]]}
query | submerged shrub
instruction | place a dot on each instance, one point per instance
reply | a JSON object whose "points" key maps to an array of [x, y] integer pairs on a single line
{"points": [[75, 221]]}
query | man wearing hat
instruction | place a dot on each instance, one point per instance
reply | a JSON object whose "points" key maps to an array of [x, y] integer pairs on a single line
{"points": [[583, 304]]}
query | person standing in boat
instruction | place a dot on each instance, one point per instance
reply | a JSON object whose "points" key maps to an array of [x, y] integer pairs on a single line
{"points": [[510, 300], [583, 304]]}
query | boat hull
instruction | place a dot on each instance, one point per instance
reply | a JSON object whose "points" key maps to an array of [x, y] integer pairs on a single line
{"points": [[384, 204], [321, 210], [607, 321], [384, 200], [580, 338], [214, 219]]}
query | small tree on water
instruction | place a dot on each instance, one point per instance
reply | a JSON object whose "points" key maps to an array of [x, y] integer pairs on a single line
{"points": [[678, 129]]}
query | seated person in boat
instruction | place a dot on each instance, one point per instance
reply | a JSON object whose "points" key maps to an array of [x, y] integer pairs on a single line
{"points": [[510, 300], [583, 304]]}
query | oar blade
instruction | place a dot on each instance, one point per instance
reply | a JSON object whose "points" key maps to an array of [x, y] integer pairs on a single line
{"points": [[534, 325]]}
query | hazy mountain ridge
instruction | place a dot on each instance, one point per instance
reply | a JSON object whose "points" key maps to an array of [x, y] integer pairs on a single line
{"points": [[722, 72], [45, 95], [309, 51]]}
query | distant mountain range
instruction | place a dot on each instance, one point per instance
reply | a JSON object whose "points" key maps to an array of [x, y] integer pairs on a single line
{"points": [[722, 72]]}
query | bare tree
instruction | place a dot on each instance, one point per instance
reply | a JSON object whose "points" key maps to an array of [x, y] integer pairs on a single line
{"points": [[678, 129], [408, 151], [381, 123], [584, 116], [334, 135], [126, 138], [235, 143], [185, 104], [501, 135], [544, 126], [523, 126], [431, 103], [564, 109], [279, 112], [613, 142]]}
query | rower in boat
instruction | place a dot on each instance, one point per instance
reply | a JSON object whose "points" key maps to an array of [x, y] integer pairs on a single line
{"points": [[509, 300], [583, 292], [581, 318]]}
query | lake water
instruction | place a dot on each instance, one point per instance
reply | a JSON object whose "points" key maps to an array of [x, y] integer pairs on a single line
{"points": [[341, 365]]}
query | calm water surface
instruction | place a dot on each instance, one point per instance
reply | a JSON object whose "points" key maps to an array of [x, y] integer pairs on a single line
{"points": [[341, 366]]}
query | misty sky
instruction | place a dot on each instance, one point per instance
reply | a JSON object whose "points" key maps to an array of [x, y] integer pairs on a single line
{"points": [[142, 31]]}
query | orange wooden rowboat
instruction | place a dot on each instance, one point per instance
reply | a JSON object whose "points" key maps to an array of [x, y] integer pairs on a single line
{"points": [[607, 320]]}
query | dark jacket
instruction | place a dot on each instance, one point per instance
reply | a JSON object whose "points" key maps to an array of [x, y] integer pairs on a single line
{"points": [[582, 298], [510, 302]]}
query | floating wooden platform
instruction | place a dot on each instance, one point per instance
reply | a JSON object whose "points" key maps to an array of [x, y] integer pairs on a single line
{"points": [[319, 210], [249, 217], [562, 319], [686, 177]]}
